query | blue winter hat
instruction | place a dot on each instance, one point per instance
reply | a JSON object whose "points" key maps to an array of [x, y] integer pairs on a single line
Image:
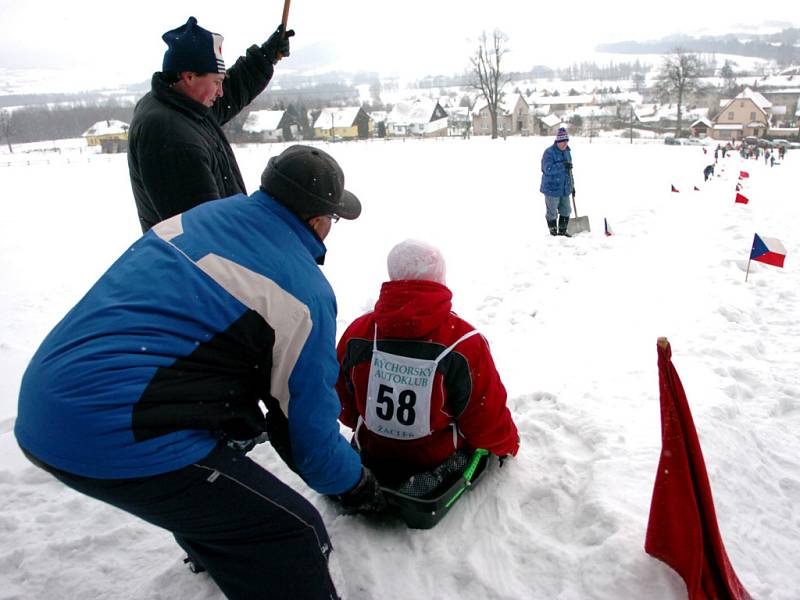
{"points": [[562, 135], [192, 48]]}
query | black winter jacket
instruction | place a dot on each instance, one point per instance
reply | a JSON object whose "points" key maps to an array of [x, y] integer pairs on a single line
{"points": [[178, 156]]}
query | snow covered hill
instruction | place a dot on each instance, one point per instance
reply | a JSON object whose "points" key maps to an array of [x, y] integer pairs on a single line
{"points": [[572, 324]]}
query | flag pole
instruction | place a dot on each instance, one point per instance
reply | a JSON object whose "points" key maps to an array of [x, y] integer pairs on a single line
{"points": [[748, 269]]}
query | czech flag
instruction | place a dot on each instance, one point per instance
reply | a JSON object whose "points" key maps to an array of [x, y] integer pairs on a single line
{"points": [[743, 174], [674, 189], [741, 199], [608, 229], [682, 529], [768, 250]]}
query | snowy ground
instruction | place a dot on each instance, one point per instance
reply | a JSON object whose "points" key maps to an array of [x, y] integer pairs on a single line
{"points": [[573, 326]]}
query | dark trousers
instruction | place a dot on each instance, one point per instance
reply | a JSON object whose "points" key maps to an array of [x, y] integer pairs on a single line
{"points": [[256, 537]]}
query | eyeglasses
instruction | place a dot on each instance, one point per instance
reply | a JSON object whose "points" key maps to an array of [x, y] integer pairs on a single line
{"points": [[334, 218]]}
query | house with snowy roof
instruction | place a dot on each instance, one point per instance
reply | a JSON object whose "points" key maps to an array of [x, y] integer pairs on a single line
{"points": [[459, 121], [423, 117], [272, 126], [561, 105], [348, 123], [111, 135], [548, 124], [745, 115], [701, 127], [513, 117]]}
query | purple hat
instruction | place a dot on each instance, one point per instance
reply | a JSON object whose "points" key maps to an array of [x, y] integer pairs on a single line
{"points": [[562, 135], [192, 48]]}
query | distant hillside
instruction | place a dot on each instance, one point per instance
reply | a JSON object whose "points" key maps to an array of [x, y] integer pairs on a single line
{"points": [[783, 47]]}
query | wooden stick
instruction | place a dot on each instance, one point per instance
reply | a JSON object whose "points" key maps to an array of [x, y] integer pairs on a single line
{"points": [[285, 18], [663, 342]]}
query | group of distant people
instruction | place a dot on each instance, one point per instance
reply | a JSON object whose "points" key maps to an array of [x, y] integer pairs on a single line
{"points": [[745, 151], [216, 331]]}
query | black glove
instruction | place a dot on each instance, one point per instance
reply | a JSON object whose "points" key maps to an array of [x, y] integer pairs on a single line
{"points": [[573, 190], [568, 165], [277, 46], [367, 496]]}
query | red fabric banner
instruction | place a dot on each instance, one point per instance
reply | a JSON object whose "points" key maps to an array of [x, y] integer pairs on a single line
{"points": [[682, 530]]}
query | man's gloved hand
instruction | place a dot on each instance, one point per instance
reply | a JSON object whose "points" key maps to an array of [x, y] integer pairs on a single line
{"points": [[244, 446], [277, 46], [366, 496], [573, 190], [567, 165]]}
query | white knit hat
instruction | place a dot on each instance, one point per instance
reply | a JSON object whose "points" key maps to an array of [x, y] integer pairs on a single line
{"points": [[413, 259]]}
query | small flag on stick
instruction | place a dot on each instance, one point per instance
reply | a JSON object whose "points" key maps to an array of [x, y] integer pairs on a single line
{"points": [[682, 529], [674, 189], [743, 174], [766, 250], [609, 232], [696, 189], [741, 198]]}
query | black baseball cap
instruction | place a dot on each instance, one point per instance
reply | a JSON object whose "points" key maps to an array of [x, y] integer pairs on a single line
{"points": [[309, 182]]}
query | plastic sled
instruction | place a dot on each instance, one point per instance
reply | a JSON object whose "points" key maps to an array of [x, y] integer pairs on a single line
{"points": [[427, 511]]}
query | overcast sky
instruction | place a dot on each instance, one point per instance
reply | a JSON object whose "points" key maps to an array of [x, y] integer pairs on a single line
{"points": [[403, 36]]}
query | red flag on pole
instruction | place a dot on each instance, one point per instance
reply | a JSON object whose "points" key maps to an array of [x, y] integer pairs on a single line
{"points": [[741, 199], [674, 189], [682, 529], [743, 174]]}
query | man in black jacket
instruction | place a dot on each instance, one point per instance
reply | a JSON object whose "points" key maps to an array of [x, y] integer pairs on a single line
{"points": [[178, 156]]}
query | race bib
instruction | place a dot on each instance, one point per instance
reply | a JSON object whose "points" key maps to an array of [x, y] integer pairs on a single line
{"points": [[399, 396], [399, 393]]}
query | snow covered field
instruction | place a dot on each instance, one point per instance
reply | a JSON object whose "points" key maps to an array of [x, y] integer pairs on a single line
{"points": [[573, 326]]}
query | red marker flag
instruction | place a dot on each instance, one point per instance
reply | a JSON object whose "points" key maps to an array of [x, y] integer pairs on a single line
{"points": [[743, 174], [682, 529], [741, 199], [696, 189], [607, 227], [674, 189]]}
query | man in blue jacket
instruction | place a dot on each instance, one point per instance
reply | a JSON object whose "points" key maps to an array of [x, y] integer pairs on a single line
{"points": [[214, 329], [557, 184]]}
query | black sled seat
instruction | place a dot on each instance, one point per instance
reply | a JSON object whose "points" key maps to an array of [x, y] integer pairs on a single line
{"points": [[423, 508]]}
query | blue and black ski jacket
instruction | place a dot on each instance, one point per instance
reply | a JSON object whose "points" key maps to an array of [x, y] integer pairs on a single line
{"points": [[209, 315]]}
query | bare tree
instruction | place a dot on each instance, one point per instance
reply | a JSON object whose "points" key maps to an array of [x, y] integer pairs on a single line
{"points": [[488, 76], [5, 128], [678, 77]]}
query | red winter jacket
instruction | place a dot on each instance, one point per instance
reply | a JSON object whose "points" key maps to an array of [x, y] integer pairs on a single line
{"points": [[414, 319]]}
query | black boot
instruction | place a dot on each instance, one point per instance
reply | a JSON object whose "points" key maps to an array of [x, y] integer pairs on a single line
{"points": [[552, 226], [562, 226]]}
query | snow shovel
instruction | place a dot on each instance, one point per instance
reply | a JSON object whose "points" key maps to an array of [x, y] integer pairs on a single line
{"points": [[576, 224]]}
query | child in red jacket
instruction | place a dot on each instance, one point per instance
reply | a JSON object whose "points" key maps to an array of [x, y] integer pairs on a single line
{"points": [[417, 382]]}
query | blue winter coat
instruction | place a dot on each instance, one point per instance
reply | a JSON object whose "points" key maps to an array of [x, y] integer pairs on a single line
{"points": [[555, 178], [208, 314]]}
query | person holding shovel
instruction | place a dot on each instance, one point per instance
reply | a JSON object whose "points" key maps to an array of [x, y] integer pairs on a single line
{"points": [[557, 183], [178, 156]]}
